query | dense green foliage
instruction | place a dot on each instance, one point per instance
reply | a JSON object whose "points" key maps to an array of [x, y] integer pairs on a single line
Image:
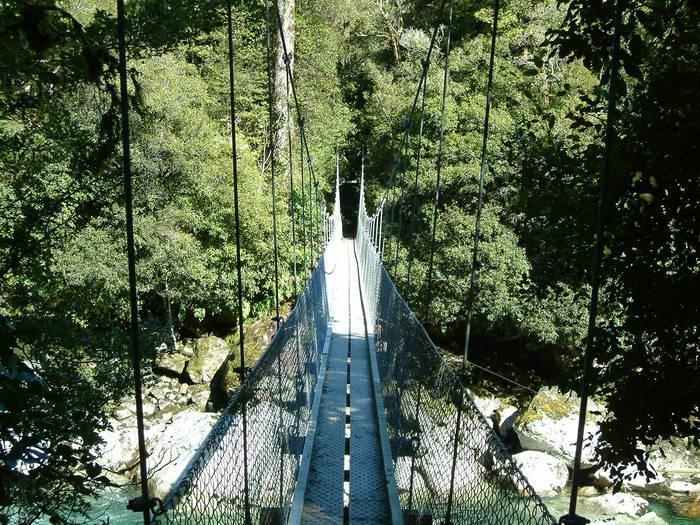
{"points": [[542, 180], [63, 286]]}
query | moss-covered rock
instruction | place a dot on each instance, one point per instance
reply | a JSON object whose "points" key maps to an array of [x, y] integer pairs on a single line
{"points": [[208, 356], [549, 424], [257, 336]]}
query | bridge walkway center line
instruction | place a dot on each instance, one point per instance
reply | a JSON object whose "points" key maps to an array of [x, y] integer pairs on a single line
{"points": [[346, 478]]}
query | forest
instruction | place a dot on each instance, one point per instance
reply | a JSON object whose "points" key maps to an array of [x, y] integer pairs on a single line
{"points": [[64, 309]]}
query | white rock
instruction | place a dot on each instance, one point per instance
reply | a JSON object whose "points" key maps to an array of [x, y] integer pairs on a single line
{"points": [[587, 491], [149, 409], [675, 455], [650, 518], [119, 451], [123, 413], [170, 364], [620, 503], [601, 478], [550, 425], [486, 405], [685, 487], [640, 484], [172, 448], [547, 474], [634, 480]]}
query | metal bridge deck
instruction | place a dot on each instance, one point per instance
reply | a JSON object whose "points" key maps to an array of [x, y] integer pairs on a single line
{"points": [[346, 482]]}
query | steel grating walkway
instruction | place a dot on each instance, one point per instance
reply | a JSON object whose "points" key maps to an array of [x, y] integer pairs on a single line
{"points": [[346, 480]]}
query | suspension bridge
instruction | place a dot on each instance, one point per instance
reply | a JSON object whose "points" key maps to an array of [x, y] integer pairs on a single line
{"points": [[351, 415]]}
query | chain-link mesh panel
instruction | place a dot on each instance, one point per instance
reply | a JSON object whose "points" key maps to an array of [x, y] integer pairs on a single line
{"points": [[249, 461], [472, 480]]}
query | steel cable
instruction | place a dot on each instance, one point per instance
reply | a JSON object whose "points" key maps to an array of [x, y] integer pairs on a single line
{"points": [[479, 206], [571, 517], [239, 276], [131, 261], [436, 201], [273, 152]]}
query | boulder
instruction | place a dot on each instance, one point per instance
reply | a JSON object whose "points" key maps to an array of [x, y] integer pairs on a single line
{"points": [[675, 456], [486, 405], [620, 503], [550, 423], [173, 447], [620, 509], [650, 518], [508, 416], [126, 412], [198, 395], [683, 487], [119, 452], [171, 364], [633, 481], [609, 509], [547, 474], [587, 491], [208, 356], [120, 414], [257, 337]]}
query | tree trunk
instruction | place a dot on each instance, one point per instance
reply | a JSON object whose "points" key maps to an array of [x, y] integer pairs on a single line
{"points": [[287, 14], [170, 342]]}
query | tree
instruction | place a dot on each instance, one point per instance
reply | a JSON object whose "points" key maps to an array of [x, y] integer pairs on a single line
{"points": [[647, 340]]}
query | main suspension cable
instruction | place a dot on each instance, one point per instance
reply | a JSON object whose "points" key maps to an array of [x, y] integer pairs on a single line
{"points": [[273, 181], [414, 200], [313, 183], [270, 112], [291, 188], [407, 133]]}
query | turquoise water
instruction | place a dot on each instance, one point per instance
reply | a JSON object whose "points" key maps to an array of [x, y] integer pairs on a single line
{"points": [[110, 508], [558, 505], [665, 511]]}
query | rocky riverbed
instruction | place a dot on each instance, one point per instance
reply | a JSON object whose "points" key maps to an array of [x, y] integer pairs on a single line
{"points": [[542, 436], [190, 383]]}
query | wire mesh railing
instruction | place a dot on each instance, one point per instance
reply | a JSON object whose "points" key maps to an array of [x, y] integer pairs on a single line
{"points": [[450, 466], [245, 471]]}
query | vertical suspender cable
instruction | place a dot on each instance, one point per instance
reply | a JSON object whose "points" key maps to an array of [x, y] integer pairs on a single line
{"points": [[131, 256], [303, 196], [239, 287], [460, 396], [304, 143], [270, 114], [273, 153], [436, 202], [291, 185], [477, 229], [407, 134], [311, 204], [414, 200], [389, 224], [571, 518]]}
